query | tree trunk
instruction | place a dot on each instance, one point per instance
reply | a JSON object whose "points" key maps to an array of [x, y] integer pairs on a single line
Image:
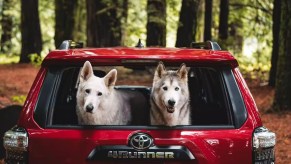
{"points": [[223, 20], [208, 20], [31, 42], [79, 31], [103, 23], [124, 15], [282, 100], [275, 51], [6, 23], [65, 20], [188, 23], [156, 24]]}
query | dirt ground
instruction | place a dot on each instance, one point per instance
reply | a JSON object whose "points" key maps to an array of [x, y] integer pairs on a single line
{"points": [[17, 79]]}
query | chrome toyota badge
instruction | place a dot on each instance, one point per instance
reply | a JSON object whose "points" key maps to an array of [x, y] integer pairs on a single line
{"points": [[141, 141]]}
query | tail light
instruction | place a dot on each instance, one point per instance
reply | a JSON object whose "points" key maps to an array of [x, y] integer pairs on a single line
{"points": [[263, 146], [15, 142]]}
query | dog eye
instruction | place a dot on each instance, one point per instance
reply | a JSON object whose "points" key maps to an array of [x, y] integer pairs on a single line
{"points": [[99, 93], [177, 88], [165, 88], [87, 91]]}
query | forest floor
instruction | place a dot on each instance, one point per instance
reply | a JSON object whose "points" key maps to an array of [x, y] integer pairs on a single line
{"points": [[16, 80]]}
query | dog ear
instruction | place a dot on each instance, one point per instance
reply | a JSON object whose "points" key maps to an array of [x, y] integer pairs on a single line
{"points": [[182, 72], [160, 71], [110, 78], [86, 72]]}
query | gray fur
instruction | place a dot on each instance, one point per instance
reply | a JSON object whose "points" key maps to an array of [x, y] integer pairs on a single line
{"points": [[161, 113]]}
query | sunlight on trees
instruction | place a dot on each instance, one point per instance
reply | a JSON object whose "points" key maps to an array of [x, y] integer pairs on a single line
{"points": [[47, 25], [137, 19], [173, 8], [249, 28]]}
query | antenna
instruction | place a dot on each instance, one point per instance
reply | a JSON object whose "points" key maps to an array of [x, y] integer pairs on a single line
{"points": [[139, 44]]}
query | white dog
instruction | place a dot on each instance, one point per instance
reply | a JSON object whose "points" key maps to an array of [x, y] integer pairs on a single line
{"points": [[170, 97], [98, 103]]}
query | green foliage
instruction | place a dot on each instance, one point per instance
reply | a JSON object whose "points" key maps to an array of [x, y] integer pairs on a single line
{"points": [[47, 24], [249, 20], [46, 11], [136, 21], [13, 11], [19, 99], [35, 59], [250, 27], [6, 59], [173, 11], [253, 70]]}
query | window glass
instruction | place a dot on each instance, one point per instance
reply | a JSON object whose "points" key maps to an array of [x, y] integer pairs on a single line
{"points": [[208, 100]]}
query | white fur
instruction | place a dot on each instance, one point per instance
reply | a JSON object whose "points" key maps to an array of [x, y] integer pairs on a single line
{"points": [[170, 85], [110, 108]]}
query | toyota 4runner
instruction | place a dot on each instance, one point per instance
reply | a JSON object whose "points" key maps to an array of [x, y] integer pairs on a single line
{"points": [[225, 122]]}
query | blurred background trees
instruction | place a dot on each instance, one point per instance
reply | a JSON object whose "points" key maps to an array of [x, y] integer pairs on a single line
{"points": [[156, 23], [65, 13], [275, 47], [6, 24], [31, 39], [208, 20], [282, 99], [104, 23], [251, 30], [187, 25]]}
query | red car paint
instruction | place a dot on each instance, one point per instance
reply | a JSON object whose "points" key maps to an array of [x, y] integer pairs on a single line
{"points": [[54, 145]]}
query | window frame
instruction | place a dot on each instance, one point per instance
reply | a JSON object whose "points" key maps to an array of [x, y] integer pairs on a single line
{"points": [[44, 108]]}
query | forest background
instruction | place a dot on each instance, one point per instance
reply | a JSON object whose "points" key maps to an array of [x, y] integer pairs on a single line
{"points": [[257, 33]]}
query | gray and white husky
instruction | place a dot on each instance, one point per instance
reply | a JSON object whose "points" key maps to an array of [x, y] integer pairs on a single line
{"points": [[170, 97], [98, 103]]}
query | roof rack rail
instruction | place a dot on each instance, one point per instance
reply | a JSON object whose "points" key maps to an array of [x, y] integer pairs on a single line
{"points": [[69, 44], [208, 45]]}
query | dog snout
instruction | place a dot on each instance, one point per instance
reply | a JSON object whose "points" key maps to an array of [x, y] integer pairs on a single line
{"points": [[89, 108], [171, 102]]}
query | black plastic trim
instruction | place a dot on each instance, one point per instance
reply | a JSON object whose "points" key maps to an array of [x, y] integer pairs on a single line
{"points": [[43, 103], [122, 152], [17, 128], [237, 103]]}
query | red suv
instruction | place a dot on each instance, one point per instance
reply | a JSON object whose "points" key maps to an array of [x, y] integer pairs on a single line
{"points": [[225, 122]]}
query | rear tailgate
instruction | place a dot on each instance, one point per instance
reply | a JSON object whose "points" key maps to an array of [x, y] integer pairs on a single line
{"points": [[112, 146]]}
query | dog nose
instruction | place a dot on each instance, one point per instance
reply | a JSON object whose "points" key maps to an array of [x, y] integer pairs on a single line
{"points": [[171, 102], [89, 108]]}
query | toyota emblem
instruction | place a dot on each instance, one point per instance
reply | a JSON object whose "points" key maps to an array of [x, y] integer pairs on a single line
{"points": [[140, 141]]}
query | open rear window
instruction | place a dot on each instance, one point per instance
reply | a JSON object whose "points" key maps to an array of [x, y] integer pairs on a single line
{"points": [[210, 102]]}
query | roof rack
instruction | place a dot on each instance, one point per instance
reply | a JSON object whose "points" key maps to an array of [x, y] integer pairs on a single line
{"points": [[69, 44], [208, 45]]}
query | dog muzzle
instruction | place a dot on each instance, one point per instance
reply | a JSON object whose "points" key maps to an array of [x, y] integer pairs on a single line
{"points": [[170, 109]]}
